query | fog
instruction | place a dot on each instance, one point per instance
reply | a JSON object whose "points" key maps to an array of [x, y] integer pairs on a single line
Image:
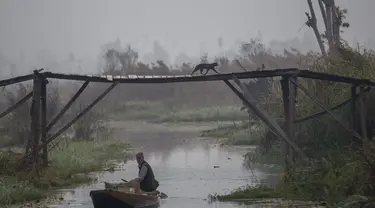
{"points": [[39, 31]]}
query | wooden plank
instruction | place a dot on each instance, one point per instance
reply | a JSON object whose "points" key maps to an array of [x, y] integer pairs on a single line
{"points": [[15, 80], [334, 78], [353, 107], [35, 121], [17, 105], [43, 120], [362, 112], [197, 78], [110, 77], [178, 78], [289, 98]]}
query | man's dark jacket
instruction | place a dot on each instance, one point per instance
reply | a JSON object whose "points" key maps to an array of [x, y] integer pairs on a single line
{"points": [[149, 183]]}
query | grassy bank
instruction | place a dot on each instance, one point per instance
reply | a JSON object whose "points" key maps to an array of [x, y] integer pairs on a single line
{"points": [[167, 113], [208, 114], [69, 166], [256, 192], [341, 169], [140, 110], [237, 134], [274, 196], [340, 180]]}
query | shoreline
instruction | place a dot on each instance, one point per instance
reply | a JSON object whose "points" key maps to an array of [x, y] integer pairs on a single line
{"points": [[69, 168]]}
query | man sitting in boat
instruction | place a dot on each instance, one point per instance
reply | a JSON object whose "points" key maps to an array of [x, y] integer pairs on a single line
{"points": [[145, 181]]}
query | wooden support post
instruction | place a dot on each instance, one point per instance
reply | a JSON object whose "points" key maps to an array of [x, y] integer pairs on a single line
{"points": [[43, 120], [285, 90], [362, 109], [35, 120], [289, 99], [353, 108]]}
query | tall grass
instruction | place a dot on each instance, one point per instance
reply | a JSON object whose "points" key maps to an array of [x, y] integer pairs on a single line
{"points": [[342, 167], [165, 112], [238, 134], [81, 157], [70, 165], [215, 113], [140, 110], [14, 190]]}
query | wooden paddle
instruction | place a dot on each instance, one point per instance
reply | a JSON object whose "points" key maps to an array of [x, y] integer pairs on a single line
{"points": [[161, 194]]}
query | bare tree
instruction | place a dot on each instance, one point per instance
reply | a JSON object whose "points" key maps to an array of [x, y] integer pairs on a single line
{"points": [[333, 17], [120, 61]]}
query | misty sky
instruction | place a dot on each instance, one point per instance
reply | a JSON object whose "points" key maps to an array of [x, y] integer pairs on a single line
{"points": [[190, 26]]}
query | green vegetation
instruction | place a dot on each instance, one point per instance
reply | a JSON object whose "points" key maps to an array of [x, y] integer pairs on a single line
{"points": [[208, 114], [168, 113], [140, 110], [240, 134], [274, 196], [256, 192], [269, 155], [332, 181], [14, 190], [341, 169], [69, 166]]}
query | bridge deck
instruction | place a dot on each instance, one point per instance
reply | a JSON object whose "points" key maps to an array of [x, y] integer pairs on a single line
{"points": [[195, 78]]}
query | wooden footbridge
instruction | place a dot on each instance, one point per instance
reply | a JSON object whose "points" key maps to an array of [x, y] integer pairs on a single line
{"points": [[41, 137]]}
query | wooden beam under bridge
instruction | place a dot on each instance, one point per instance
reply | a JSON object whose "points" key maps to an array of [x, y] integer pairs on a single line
{"points": [[17, 105], [315, 100], [250, 102], [67, 106], [58, 133]]}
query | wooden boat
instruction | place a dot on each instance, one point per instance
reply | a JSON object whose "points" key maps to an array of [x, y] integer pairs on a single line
{"points": [[117, 199]]}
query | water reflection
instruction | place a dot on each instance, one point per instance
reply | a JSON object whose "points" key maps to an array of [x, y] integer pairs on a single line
{"points": [[186, 173], [188, 170]]}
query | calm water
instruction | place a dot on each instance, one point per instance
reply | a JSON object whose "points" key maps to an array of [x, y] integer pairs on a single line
{"points": [[184, 167]]}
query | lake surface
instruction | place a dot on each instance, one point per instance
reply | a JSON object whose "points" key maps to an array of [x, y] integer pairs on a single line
{"points": [[188, 168]]}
